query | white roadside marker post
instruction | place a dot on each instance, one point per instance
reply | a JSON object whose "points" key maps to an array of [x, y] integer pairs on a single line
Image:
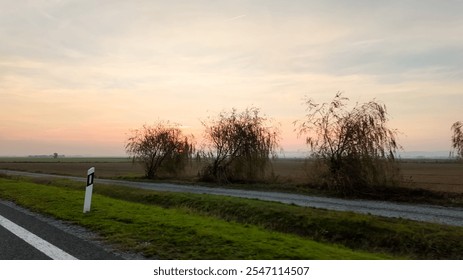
{"points": [[89, 189]]}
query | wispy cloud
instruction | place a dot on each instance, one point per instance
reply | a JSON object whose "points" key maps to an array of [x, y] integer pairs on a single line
{"points": [[235, 18]]}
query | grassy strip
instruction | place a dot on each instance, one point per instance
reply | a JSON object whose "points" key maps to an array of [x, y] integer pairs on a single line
{"points": [[359, 232], [174, 233]]}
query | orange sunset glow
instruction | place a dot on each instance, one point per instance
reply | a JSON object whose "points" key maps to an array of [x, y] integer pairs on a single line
{"points": [[77, 76]]}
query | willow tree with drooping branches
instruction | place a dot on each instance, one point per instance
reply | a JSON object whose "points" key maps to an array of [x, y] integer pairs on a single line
{"points": [[457, 138], [354, 149], [161, 146], [239, 146]]}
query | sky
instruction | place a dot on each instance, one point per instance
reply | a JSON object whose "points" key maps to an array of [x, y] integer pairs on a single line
{"points": [[76, 76]]}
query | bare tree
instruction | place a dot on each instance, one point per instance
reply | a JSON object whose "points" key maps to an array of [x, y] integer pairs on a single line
{"points": [[160, 146], [354, 150], [457, 138], [239, 145]]}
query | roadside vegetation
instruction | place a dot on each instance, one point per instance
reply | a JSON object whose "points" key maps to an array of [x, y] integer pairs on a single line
{"points": [[161, 146], [238, 147], [352, 153], [175, 232], [397, 238], [457, 139], [354, 150]]}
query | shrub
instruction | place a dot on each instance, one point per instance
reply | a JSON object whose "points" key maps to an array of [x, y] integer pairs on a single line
{"points": [[239, 146], [161, 146], [354, 149]]}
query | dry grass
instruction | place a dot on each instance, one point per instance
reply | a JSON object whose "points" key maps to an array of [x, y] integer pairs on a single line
{"points": [[443, 176]]}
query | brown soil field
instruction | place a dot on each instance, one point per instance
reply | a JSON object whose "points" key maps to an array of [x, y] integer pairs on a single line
{"points": [[446, 176], [436, 175]]}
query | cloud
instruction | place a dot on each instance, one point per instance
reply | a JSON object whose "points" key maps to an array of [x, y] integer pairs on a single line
{"points": [[235, 18]]}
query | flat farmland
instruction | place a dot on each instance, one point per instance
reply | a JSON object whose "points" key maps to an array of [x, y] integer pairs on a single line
{"points": [[444, 176], [436, 175], [105, 167]]}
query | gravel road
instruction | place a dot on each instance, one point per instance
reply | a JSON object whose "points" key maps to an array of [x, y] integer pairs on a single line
{"points": [[426, 213]]}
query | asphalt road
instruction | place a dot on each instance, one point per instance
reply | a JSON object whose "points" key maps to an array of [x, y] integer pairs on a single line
{"points": [[28, 236], [426, 213]]}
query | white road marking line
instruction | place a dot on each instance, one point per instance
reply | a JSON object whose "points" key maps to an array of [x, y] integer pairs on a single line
{"points": [[43, 246]]}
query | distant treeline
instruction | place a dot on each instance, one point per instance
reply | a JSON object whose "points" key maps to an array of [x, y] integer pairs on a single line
{"points": [[55, 155]]}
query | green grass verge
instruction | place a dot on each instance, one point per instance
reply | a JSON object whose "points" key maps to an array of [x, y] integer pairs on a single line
{"points": [[399, 237], [169, 233]]}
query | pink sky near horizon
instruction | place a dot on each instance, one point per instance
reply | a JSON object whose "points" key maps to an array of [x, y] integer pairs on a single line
{"points": [[77, 76]]}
